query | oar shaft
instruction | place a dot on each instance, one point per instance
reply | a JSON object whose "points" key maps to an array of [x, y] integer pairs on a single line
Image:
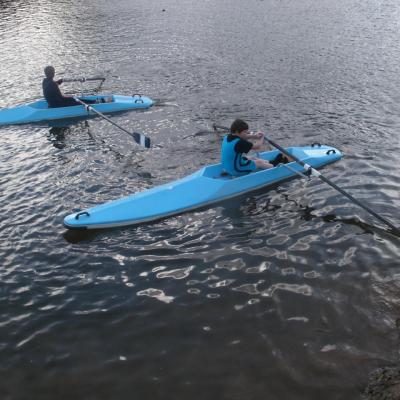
{"points": [[95, 78], [100, 114], [314, 172], [358, 202], [139, 138], [83, 79], [284, 151], [304, 176]]}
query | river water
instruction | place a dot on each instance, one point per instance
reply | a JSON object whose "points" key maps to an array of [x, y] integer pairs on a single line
{"points": [[287, 293]]}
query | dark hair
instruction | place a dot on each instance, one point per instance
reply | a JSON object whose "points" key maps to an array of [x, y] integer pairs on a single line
{"points": [[49, 71], [238, 125]]}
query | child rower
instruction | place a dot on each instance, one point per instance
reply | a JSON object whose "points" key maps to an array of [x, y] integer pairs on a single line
{"points": [[237, 143]]}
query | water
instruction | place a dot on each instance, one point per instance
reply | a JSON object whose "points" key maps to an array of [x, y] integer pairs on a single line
{"points": [[288, 293]]}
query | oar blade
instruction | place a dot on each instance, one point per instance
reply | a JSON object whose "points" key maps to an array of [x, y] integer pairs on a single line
{"points": [[141, 139], [219, 128]]}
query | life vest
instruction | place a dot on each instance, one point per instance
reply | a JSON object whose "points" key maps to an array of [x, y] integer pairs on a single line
{"points": [[233, 162]]}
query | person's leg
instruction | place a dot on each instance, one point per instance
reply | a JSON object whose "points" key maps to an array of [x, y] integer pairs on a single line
{"points": [[262, 164], [87, 101], [280, 159], [69, 102]]}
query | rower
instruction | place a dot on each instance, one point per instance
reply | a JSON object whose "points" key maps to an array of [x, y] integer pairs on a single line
{"points": [[237, 143], [52, 92]]}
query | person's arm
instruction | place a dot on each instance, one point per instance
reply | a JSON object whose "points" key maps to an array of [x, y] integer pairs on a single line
{"points": [[259, 143], [57, 84], [252, 136]]}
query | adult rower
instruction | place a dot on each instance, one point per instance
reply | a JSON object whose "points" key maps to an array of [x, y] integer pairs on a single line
{"points": [[52, 92]]}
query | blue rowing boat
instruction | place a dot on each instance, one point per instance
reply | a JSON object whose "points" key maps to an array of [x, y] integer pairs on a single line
{"points": [[39, 110], [204, 187]]}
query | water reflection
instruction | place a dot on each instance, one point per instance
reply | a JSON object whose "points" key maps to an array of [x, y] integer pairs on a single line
{"points": [[57, 136]]}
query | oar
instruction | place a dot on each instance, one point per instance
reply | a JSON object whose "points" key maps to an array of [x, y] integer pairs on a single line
{"points": [[316, 173], [216, 127], [83, 79], [313, 172], [139, 138]]}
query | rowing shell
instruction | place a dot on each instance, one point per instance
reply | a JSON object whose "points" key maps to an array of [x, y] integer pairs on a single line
{"points": [[39, 110], [204, 187]]}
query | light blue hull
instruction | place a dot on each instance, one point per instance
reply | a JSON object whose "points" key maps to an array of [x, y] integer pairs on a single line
{"points": [[39, 111], [199, 189]]}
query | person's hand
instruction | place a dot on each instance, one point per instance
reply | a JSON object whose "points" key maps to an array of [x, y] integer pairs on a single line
{"points": [[60, 81], [260, 135]]}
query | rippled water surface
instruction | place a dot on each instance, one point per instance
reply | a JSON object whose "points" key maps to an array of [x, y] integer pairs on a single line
{"points": [[287, 293]]}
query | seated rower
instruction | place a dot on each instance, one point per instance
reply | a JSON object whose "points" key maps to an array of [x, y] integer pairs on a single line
{"points": [[237, 143], [52, 92]]}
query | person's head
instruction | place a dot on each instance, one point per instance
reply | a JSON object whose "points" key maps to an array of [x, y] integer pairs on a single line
{"points": [[238, 126], [49, 71]]}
